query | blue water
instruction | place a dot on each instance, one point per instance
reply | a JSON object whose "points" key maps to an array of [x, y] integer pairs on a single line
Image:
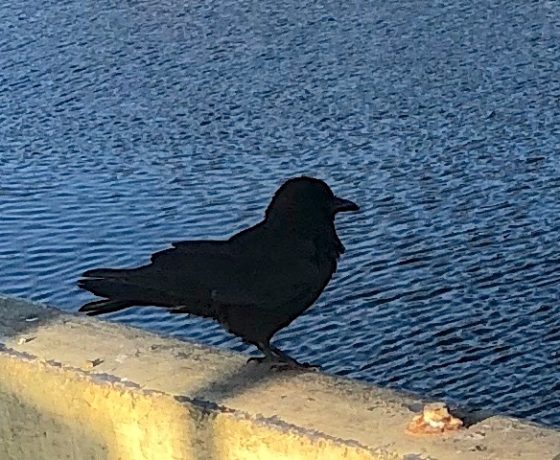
{"points": [[126, 125]]}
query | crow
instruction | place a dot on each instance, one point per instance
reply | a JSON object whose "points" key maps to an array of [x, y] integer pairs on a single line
{"points": [[254, 283]]}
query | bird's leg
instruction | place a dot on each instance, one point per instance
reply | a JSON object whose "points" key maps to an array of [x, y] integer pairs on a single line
{"points": [[269, 355], [278, 360], [291, 361], [284, 356]]}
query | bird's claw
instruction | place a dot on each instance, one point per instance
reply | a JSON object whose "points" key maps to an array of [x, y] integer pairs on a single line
{"points": [[257, 359]]}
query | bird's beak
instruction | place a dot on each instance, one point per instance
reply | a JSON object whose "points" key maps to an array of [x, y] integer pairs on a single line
{"points": [[342, 205]]}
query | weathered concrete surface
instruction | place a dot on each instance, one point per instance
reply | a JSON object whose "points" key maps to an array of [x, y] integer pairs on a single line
{"points": [[77, 388]]}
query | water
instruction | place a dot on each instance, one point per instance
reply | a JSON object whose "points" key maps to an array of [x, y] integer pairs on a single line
{"points": [[128, 125]]}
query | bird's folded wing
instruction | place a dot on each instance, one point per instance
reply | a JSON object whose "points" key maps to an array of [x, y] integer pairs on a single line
{"points": [[223, 274]]}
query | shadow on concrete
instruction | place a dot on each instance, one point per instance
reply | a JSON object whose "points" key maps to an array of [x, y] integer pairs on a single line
{"points": [[27, 432], [233, 384], [19, 317], [20, 320]]}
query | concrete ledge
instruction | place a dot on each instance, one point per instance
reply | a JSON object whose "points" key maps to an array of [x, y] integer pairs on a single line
{"points": [[77, 388]]}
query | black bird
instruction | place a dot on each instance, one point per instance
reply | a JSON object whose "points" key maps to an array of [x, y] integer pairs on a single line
{"points": [[254, 284]]}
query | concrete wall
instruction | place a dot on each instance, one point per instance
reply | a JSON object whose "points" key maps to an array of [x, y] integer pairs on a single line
{"points": [[77, 388]]}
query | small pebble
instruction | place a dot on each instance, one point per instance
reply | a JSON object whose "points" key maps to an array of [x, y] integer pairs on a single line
{"points": [[90, 364], [23, 340]]}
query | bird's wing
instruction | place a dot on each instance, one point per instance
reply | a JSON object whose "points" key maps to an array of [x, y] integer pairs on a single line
{"points": [[224, 274], [175, 257]]}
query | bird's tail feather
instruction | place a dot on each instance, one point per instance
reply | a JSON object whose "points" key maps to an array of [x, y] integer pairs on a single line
{"points": [[123, 288], [107, 273], [99, 307]]}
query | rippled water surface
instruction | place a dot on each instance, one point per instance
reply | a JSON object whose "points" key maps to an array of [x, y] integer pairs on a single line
{"points": [[125, 125]]}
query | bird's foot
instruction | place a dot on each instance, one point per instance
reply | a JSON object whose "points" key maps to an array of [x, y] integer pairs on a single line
{"points": [[258, 359]]}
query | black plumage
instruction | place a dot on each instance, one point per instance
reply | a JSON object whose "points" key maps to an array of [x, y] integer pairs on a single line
{"points": [[254, 284]]}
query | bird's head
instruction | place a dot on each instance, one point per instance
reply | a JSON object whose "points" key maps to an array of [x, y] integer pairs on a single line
{"points": [[306, 202]]}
